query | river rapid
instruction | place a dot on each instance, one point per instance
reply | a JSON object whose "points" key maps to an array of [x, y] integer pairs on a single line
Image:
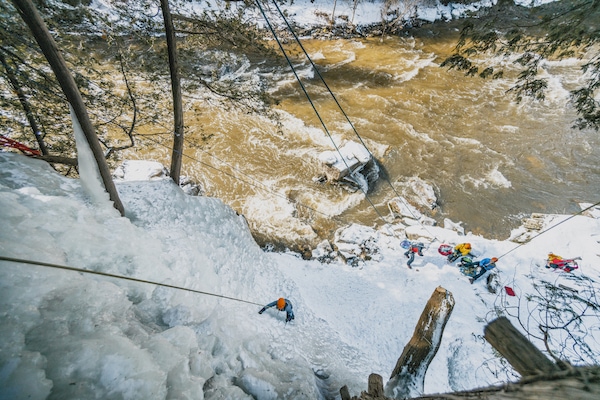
{"points": [[491, 161]]}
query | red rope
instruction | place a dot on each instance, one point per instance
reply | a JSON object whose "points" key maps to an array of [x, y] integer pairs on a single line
{"points": [[6, 142]]}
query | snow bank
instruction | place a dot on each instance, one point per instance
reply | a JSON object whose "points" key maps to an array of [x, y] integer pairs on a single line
{"points": [[65, 334]]}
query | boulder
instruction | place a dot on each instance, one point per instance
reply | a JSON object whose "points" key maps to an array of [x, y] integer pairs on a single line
{"points": [[324, 252], [399, 207], [529, 228], [421, 193], [357, 242], [353, 164], [418, 233], [140, 170], [454, 226]]}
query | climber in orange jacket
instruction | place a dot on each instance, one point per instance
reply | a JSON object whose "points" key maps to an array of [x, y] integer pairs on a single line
{"points": [[282, 305]]}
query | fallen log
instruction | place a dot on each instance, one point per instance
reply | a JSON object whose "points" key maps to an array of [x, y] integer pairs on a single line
{"points": [[582, 383], [408, 377], [58, 160], [524, 357], [541, 378]]}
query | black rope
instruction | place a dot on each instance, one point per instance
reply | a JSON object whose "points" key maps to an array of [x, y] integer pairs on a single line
{"points": [[340, 107], [320, 76], [312, 104], [64, 267]]}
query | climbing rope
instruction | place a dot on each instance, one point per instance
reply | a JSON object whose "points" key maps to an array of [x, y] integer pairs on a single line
{"points": [[262, 186], [336, 102], [128, 278], [8, 142], [312, 104], [321, 78]]}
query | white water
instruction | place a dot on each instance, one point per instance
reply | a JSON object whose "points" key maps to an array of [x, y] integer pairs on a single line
{"points": [[490, 159]]}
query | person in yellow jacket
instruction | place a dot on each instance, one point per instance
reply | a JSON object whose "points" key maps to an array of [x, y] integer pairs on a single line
{"points": [[460, 250], [555, 261]]}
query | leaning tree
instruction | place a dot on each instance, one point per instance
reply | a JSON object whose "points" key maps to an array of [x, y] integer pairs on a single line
{"points": [[69, 87], [119, 60]]}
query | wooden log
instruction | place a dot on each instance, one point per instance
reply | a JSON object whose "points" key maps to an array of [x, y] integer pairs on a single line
{"points": [[581, 383], [345, 393], [374, 391], [408, 377], [58, 160], [375, 388], [524, 357]]}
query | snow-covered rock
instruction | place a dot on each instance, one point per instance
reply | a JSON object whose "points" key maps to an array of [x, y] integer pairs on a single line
{"points": [[324, 252], [140, 170], [400, 207], [529, 228], [421, 193], [419, 233], [454, 226], [190, 187], [353, 164], [427, 221], [593, 212], [357, 242]]}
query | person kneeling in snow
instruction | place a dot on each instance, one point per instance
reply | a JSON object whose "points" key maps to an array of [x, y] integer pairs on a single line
{"points": [[485, 265], [461, 250], [282, 305], [410, 253], [556, 261]]}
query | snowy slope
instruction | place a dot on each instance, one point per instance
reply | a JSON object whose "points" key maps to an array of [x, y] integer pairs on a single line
{"points": [[71, 335]]}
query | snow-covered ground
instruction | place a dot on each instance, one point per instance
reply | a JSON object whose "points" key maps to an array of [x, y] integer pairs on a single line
{"points": [[73, 335], [307, 12], [67, 334], [321, 12], [366, 12]]}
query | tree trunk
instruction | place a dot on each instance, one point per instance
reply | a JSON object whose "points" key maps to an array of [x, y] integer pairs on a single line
{"points": [[374, 390], [176, 88], [550, 382], [524, 357], [581, 383], [14, 82], [59, 160], [69, 87], [408, 377], [333, 13]]}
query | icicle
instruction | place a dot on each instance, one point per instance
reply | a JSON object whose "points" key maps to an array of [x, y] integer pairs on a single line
{"points": [[88, 168]]}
